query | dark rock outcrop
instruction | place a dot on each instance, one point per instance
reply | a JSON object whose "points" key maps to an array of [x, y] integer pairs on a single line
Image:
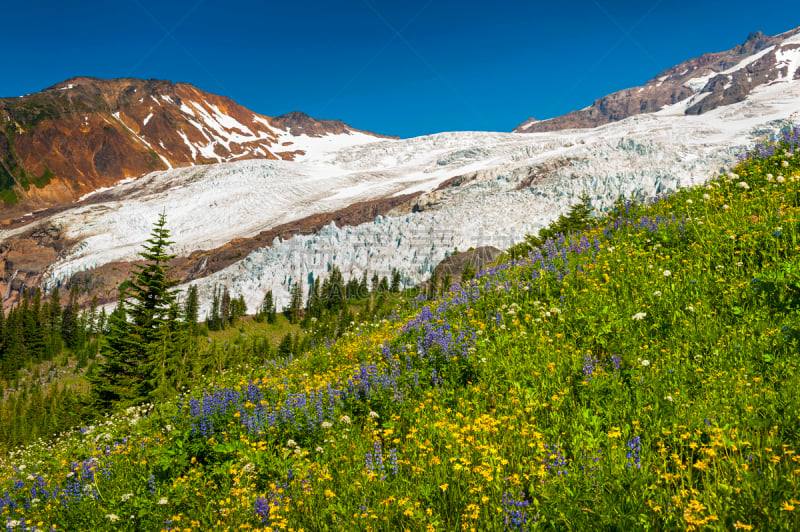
{"points": [[681, 82]]}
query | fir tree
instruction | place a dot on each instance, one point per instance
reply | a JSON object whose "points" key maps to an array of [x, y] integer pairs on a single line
{"points": [[225, 308], [468, 273], [295, 309], [145, 311], [215, 320], [191, 309], [285, 347], [267, 309]]}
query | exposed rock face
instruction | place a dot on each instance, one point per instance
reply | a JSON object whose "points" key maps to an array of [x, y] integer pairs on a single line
{"points": [[86, 133], [454, 265], [716, 79], [298, 123]]}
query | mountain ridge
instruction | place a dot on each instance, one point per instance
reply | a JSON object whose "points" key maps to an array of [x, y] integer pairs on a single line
{"points": [[707, 79], [85, 133]]}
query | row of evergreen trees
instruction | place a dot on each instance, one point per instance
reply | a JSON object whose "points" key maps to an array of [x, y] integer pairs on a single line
{"points": [[35, 331], [148, 344], [332, 294]]}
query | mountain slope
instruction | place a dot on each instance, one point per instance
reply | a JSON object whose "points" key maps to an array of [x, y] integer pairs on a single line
{"points": [[86, 133], [369, 204], [710, 81]]}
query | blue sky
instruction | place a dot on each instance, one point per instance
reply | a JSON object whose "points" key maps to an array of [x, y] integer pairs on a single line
{"points": [[408, 68]]}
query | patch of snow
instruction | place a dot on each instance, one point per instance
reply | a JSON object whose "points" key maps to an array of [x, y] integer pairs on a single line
{"points": [[147, 118], [186, 109], [697, 83]]}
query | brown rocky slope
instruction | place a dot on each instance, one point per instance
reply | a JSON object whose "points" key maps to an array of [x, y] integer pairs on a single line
{"points": [[705, 76], [86, 133]]}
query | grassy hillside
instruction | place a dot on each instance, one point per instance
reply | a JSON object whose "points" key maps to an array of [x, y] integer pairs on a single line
{"points": [[640, 376]]}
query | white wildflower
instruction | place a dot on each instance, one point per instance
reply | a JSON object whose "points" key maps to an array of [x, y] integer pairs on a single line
{"points": [[740, 264], [645, 362], [291, 443], [690, 308], [667, 273], [345, 420], [706, 197], [689, 202], [373, 414], [326, 425], [127, 496], [668, 398], [163, 501], [785, 164], [249, 467], [781, 179], [657, 293], [639, 316], [319, 449], [742, 184], [112, 517], [13, 523]]}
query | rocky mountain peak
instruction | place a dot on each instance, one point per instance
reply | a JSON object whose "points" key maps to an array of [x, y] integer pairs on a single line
{"points": [[703, 83], [87, 133]]}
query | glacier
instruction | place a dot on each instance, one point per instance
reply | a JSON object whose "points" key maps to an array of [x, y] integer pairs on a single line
{"points": [[209, 205]]}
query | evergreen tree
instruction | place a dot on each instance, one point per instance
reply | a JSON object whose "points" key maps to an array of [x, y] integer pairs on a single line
{"points": [[285, 347], [469, 272], [396, 281], [267, 309], [69, 320], [363, 287], [375, 282], [146, 310], [225, 308], [166, 358], [215, 319], [433, 286], [191, 310], [295, 309], [447, 282]]}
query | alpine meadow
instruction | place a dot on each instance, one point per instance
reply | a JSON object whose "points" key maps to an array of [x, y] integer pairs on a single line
{"points": [[641, 374]]}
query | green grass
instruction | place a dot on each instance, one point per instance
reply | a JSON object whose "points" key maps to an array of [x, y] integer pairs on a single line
{"points": [[8, 196], [642, 378]]}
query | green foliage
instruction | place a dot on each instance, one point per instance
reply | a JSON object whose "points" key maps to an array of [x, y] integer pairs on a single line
{"points": [[577, 220], [145, 318], [642, 381], [8, 196]]}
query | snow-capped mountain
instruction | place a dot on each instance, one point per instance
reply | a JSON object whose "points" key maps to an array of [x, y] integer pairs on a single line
{"points": [[365, 203], [85, 134], [706, 82]]}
